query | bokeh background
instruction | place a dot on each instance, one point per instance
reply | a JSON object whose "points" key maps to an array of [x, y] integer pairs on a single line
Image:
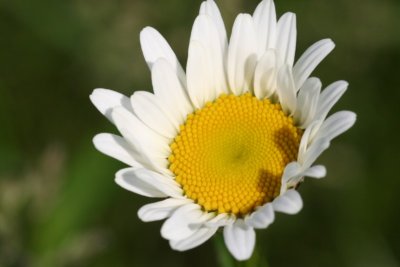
{"points": [[59, 205]]}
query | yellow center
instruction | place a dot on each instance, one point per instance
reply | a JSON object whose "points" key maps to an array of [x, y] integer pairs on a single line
{"points": [[230, 155]]}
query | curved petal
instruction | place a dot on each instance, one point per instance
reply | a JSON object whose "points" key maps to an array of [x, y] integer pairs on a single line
{"points": [[329, 97], [262, 217], [286, 38], [307, 102], [314, 151], [242, 54], [105, 100], [336, 124], [206, 33], [183, 222], [317, 171], [291, 174], [167, 88], [286, 90], [290, 202], [265, 75], [115, 146], [310, 60], [240, 239], [139, 135], [210, 9], [154, 47], [149, 111], [162, 209], [265, 23], [199, 77], [200, 236], [147, 183]]}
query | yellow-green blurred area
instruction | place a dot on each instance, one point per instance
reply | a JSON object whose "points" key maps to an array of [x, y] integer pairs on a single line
{"points": [[59, 205]]}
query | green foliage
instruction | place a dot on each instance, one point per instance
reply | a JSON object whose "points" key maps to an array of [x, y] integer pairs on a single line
{"points": [[59, 205]]}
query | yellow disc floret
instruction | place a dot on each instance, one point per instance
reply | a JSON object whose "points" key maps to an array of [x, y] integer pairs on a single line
{"points": [[229, 156]]}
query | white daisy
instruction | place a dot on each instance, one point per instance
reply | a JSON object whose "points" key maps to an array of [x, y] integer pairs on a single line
{"points": [[226, 143]]}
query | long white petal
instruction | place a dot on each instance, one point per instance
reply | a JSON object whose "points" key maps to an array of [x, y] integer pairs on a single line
{"points": [[265, 75], [115, 146], [105, 100], [154, 47], [178, 226], [147, 183], [262, 217], [240, 239], [310, 59], [210, 9], [265, 23], [160, 210], [307, 102], [147, 108], [314, 151], [290, 202], [329, 96], [200, 236], [206, 33], [167, 88], [199, 77], [336, 124], [286, 90], [286, 38], [242, 54], [135, 131]]}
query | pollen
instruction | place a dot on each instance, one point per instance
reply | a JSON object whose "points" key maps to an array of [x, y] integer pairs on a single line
{"points": [[229, 156]]}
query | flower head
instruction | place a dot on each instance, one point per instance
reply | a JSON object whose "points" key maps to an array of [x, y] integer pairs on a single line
{"points": [[226, 143]]}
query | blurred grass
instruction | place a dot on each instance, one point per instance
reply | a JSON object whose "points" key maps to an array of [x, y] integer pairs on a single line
{"points": [[59, 205]]}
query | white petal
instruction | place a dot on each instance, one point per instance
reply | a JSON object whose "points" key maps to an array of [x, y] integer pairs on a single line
{"points": [[167, 88], [286, 90], [290, 202], [310, 60], [336, 124], [291, 174], [160, 210], [317, 171], [154, 47], [179, 225], [307, 102], [149, 111], [242, 54], [265, 75], [210, 9], [147, 183], [307, 138], [140, 136], [200, 236], [221, 219], [262, 217], [199, 78], [314, 151], [265, 23], [212, 56], [116, 147], [329, 97], [240, 239], [286, 38], [105, 100]]}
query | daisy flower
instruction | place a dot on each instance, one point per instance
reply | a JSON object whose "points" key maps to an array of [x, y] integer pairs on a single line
{"points": [[226, 143]]}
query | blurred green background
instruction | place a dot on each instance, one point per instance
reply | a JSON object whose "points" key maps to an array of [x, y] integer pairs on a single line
{"points": [[59, 205]]}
